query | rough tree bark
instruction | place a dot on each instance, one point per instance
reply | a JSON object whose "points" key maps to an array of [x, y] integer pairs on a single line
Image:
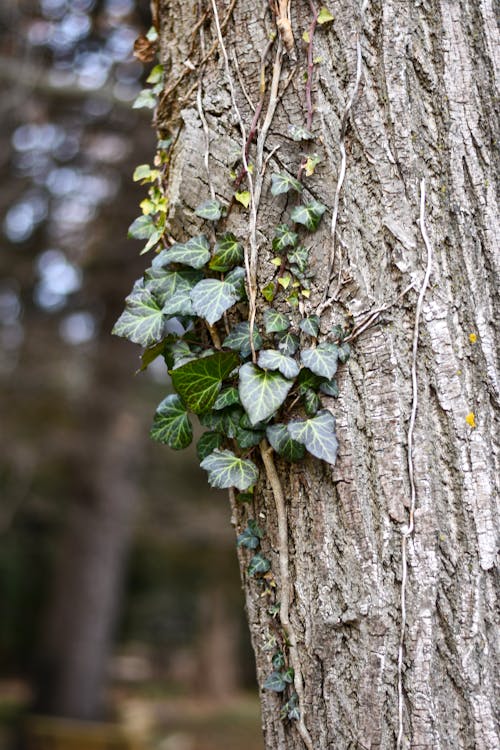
{"points": [[424, 110]]}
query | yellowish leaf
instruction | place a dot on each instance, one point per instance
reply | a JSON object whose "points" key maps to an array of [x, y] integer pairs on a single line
{"points": [[243, 198], [324, 16], [472, 338], [305, 37]]}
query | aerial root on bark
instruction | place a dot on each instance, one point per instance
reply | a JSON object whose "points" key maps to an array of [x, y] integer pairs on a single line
{"points": [[408, 530], [279, 498]]}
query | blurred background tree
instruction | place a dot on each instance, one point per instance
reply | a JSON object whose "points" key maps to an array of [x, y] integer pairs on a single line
{"points": [[116, 560]]}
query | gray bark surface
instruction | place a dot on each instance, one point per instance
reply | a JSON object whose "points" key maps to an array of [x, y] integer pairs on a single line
{"points": [[425, 110]]}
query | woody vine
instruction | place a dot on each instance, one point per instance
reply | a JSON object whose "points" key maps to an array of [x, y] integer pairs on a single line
{"points": [[255, 375]]}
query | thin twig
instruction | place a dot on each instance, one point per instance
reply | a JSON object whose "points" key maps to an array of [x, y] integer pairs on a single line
{"points": [[408, 530], [310, 63], [343, 162], [199, 102], [249, 265], [267, 457]]}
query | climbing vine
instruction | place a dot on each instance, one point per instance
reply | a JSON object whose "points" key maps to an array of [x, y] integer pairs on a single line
{"points": [[254, 375]]}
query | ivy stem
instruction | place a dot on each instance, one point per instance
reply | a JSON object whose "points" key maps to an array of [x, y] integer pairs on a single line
{"points": [[310, 63], [214, 335], [279, 498]]}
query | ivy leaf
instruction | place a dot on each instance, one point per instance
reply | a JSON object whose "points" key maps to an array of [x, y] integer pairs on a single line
{"points": [[344, 353], [228, 252], [146, 98], [225, 421], [261, 392], [270, 359], [211, 298], [142, 321], [243, 198], [171, 424], [311, 402], [268, 292], [275, 682], [208, 442], [211, 210], [227, 470], [324, 16], [299, 257], [227, 397], [322, 360], [275, 322], [149, 355], [178, 353], [278, 660], [238, 339], [250, 537], [288, 343], [284, 237], [198, 382], [283, 443], [310, 325], [258, 565], [141, 228], [172, 289], [236, 279], [330, 388], [298, 133], [318, 435], [194, 253], [282, 183], [311, 164], [308, 214], [248, 438], [306, 380]]}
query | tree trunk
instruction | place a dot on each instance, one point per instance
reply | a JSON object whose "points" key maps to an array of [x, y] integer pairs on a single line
{"points": [[423, 111]]}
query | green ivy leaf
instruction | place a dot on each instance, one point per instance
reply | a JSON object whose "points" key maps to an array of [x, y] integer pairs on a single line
{"points": [[142, 228], [236, 279], [258, 565], [283, 182], [227, 397], [298, 133], [288, 343], [171, 424], [211, 298], [250, 537], [248, 438], [142, 321], [178, 353], [194, 253], [284, 237], [318, 435], [261, 392], [211, 210], [310, 325], [330, 388], [228, 252], [268, 291], [270, 359], [144, 172], [156, 75], [324, 16], [208, 442], [322, 360], [306, 380], [276, 322], [344, 352], [308, 214], [283, 443], [198, 382], [172, 289], [299, 257], [149, 355], [275, 682], [278, 660], [227, 470], [311, 402], [238, 339]]}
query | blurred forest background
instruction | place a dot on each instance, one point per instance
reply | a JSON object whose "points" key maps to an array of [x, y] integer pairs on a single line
{"points": [[119, 589]]}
